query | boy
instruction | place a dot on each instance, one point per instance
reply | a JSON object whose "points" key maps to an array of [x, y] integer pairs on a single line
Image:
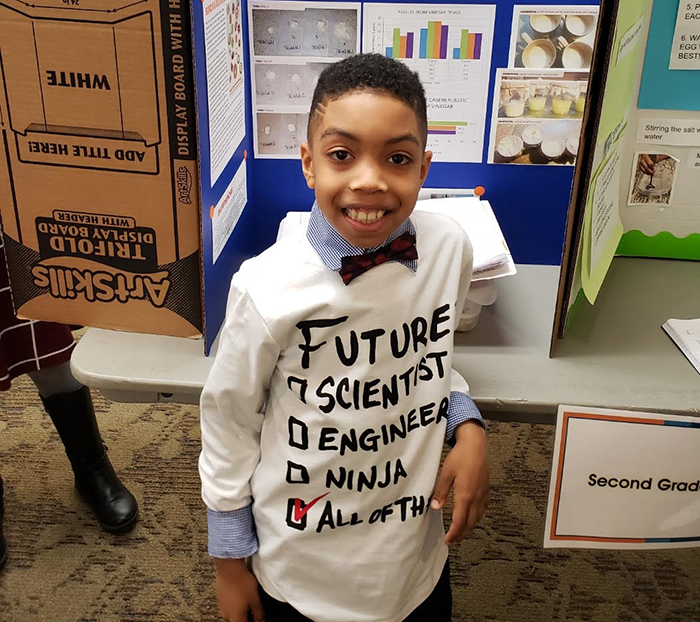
{"points": [[332, 391]]}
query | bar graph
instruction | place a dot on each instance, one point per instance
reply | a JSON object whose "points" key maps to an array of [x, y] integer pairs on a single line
{"points": [[432, 43], [446, 128], [449, 47]]}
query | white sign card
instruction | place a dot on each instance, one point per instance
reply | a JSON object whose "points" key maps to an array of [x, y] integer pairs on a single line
{"points": [[606, 216], [223, 38], [227, 212], [630, 40], [624, 480], [679, 132], [685, 49]]}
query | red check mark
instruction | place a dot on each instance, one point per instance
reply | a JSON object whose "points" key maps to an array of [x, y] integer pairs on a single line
{"points": [[299, 513]]}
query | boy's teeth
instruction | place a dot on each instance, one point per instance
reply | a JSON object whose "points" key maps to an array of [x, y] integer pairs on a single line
{"points": [[366, 216]]}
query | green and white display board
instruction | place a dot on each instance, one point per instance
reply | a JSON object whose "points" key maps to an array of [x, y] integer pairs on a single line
{"points": [[637, 193]]}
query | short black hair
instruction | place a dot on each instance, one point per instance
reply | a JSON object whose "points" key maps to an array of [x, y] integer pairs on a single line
{"points": [[370, 72]]}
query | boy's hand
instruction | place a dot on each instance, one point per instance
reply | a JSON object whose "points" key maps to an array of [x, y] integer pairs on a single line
{"points": [[647, 163], [237, 591], [466, 471]]}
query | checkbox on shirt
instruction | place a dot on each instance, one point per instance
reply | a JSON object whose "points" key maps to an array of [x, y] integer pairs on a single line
{"points": [[293, 506], [297, 473], [298, 434]]}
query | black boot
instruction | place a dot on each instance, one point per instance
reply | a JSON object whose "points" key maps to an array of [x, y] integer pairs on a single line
{"points": [[3, 542], [98, 484]]}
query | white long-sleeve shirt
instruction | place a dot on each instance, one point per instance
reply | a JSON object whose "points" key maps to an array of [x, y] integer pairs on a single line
{"points": [[354, 383]]}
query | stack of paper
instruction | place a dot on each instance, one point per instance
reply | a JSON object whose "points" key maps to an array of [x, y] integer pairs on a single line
{"points": [[492, 258], [686, 335]]}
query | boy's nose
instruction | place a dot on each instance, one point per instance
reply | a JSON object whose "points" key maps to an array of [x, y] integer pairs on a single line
{"points": [[368, 177]]}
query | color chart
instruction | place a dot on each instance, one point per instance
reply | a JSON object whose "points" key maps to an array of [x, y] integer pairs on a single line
{"points": [[449, 46], [445, 128], [432, 42]]}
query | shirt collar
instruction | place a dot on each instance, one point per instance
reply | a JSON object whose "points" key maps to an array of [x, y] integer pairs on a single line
{"points": [[332, 247]]}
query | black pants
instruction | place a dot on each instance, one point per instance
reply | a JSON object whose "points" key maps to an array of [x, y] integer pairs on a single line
{"points": [[436, 608]]}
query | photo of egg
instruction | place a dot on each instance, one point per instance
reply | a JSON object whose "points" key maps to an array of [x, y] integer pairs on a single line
{"points": [[235, 41]]}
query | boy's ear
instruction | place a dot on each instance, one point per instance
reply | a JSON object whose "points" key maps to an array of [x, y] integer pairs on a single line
{"points": [[307, 165], [425, 166]]}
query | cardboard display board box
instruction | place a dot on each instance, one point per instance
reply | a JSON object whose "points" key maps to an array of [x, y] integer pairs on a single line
{"points": [[99, 190]]}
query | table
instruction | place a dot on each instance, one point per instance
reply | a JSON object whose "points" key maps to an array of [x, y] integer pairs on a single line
{"points": [[615, 355]]}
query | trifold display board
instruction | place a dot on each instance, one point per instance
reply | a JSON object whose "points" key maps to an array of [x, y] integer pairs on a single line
{"points": [[480, 64], [147, 148], [636, 190]]}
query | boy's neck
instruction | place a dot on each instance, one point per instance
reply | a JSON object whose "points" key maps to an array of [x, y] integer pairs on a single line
{"points": [[331, 247], [316, 211]]}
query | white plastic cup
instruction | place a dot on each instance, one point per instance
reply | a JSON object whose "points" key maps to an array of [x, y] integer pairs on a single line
{"points": [[539, 53], [577, 55], [579, 25], [544, 24]]}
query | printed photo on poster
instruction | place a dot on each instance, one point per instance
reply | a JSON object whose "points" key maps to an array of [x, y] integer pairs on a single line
{"points": [[303, 29], [280, 134], [536, 142], [542, 95], [279, 84], [449, 46], [653, 179], [537, 116], [557, 37], [235, 41], [290, 44]]}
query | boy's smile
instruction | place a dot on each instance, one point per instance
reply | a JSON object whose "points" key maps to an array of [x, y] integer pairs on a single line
{"points": [[366, 162]]}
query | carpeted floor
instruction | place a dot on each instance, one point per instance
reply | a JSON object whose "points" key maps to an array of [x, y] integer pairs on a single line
{"points": [[61, 567]]}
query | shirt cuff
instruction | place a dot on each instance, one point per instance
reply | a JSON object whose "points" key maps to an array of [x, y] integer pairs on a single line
{"points": [[461, 408], [232, 534]]}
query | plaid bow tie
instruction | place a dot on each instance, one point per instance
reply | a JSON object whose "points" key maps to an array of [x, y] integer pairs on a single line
{"points": [[402, 248]]}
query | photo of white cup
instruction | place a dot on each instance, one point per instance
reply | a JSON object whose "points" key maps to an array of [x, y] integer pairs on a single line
{"points": [[544, 24], [577, 55], [532, 136], [579, 25], [514, 94], [572, 145], [552, 148], [510, 147], [539, 53], [537, 142], [514, 108]]}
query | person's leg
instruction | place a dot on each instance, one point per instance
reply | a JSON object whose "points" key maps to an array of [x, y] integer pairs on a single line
{"points": [[276, 611], [69, 405], [438, 606]]}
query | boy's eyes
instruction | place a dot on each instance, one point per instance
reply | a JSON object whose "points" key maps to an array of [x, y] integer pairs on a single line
{"points": [[399, 158], [341, 155]]}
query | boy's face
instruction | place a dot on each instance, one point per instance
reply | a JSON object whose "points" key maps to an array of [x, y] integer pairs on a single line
{"points": [[366, 162]]}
